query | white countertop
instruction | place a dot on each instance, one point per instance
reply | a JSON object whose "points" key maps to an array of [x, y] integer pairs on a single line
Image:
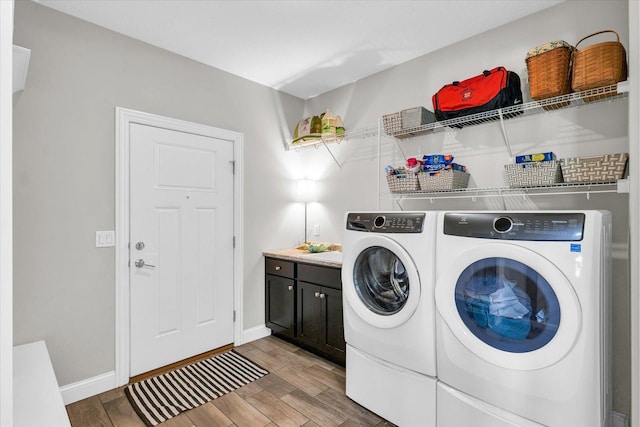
{"points": [[327, 259]]}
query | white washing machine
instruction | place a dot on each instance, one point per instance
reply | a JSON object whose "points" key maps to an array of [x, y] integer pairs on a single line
{"points": [[389, 314], [522, 316]]}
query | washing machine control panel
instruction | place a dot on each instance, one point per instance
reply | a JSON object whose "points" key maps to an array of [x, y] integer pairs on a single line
{"points": [[530, 226], [386, 222]]}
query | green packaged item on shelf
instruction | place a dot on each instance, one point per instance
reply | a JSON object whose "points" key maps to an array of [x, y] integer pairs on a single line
{"points": [[328, 123], [307, 128]]}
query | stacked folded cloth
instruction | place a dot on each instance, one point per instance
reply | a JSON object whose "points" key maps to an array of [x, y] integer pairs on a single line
{"points": [[435, 172]]}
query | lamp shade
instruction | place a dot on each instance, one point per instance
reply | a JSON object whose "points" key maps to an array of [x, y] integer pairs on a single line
{"points": [[306, 191]]}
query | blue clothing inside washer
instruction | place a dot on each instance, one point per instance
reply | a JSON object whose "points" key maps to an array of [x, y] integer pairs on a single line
{"points": [[499, 304], [507, 305]]}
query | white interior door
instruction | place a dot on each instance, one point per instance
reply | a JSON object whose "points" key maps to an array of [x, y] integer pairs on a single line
{"points": [[181, 245]]}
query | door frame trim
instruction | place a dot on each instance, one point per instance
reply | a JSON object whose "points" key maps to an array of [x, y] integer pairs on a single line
{"points": [[123, 119]]}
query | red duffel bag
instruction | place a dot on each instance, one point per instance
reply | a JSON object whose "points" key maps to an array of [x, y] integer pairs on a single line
{"points": [[497, 88]]}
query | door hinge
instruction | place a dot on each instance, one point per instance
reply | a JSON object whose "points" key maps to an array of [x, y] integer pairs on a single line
{"points": [[234, 242], [234, 315], [233, 166]]}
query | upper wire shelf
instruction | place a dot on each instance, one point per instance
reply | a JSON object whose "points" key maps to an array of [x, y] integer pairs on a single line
{"points": [[364, 132], [591, 96], [587, 97]]}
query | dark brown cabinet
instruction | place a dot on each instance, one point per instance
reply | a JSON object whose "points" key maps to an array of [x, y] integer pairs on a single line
{"points": [[319, 311], [312, 317], [280, 297]]}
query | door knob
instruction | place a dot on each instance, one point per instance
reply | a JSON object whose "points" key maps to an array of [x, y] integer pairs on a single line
{"points": [[140, 263]]}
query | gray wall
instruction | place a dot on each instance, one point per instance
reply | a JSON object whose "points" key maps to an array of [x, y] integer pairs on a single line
{"points": [[64, 173], [584, 131], [64, 160]]}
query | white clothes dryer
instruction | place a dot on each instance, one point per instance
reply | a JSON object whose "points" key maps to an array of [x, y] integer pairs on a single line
{"points": [[389, 315], [522, 316]]}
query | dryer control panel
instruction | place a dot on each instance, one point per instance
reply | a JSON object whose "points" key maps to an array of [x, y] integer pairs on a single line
{"points": [[529, 226], [389, 222]]}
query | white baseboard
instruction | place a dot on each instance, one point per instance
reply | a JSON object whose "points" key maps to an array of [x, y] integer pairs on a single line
{"points": [[254, 333], [89, 387], [107, 381]]}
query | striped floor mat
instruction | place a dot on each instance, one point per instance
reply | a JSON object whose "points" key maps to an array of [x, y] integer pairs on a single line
{"points": [[164, 396]]}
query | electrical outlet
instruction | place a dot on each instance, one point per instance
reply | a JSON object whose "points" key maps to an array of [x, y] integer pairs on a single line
{"points": [[316, 230]]}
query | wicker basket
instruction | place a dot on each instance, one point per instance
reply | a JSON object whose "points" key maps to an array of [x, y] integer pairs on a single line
{"points": [[403, 182], [601, 64], [445, 180], [549, 69], [606, 168], [533, 174], [392, 123]]}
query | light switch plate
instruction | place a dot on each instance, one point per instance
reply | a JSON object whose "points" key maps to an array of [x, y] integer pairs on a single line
{"points": [[105, 239]]}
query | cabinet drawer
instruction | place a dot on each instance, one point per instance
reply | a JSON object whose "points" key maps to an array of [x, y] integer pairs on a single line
{"points": [[279, 267], [325, 276]]}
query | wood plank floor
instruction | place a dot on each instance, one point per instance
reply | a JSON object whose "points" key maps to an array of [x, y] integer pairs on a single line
{"points": [[301, 390]]}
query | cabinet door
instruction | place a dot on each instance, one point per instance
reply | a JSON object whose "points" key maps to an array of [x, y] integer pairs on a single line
{"points": [[320, 324], [310, 315], [334, 344], [280, 305]]}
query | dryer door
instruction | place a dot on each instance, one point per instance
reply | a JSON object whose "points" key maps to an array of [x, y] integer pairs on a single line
{"points": [[382, 284], [510, 306]]}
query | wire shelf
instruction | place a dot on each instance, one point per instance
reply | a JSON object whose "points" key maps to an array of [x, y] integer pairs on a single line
{"points": [[364, 132], [620, 186], [587, 97]]}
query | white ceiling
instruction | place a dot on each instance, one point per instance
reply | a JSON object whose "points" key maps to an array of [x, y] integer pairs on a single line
{"points": [[304, 48]]}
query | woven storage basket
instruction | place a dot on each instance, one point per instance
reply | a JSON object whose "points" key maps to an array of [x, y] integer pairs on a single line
{"points": [[601, 64], [549, 69], [606, 168], [533, 174], [392, 123], [403, 182], [444, 180], [416, 117]]}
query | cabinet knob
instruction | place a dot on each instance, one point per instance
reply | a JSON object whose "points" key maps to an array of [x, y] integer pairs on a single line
{"points": [[290, 287], [322, 296], [317, 295], [278, 268]]}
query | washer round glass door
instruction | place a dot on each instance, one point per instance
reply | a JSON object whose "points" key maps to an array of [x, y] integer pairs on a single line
{"points": [[507, 305], [510, 306], [385, 287]]}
